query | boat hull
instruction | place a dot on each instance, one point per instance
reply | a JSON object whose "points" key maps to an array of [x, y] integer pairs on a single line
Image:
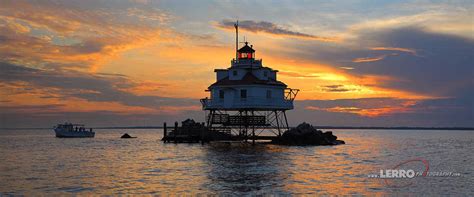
{"points": [[73, 134]]}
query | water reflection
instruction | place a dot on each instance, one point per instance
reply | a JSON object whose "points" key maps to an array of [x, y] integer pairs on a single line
{"points": [[37, 163], [274, 169], [241, 167]]}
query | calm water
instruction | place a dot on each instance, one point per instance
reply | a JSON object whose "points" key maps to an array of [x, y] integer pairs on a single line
{"points": [[35, 162]]}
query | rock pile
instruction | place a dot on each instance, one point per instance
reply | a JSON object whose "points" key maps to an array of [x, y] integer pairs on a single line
{"points": [[188, 127], [306, 134], [126, 135]]}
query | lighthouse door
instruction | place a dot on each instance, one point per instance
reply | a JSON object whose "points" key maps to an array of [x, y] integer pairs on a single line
{"points": [[229, 98]]}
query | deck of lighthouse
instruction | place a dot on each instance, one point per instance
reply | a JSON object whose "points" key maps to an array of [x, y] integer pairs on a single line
{"points": [[247, 91]]}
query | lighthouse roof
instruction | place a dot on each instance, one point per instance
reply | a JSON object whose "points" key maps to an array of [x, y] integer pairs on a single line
{"points": [[246, 49], [248, 79]]}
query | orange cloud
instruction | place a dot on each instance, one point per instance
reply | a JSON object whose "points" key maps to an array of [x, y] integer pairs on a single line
{"points": [[144, 87], [346, 68], [18, 97], [161, 61], [378, 58], [75, 38], [405, 107], [368, 59], [412, 51]]}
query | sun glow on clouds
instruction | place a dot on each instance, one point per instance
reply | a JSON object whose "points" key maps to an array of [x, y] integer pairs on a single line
{"points": [[437, 17], [23, 97], [47, 104], [160, 53], [412, 51], [369, 59], [139, 53], [405, 107], [80, 39]]}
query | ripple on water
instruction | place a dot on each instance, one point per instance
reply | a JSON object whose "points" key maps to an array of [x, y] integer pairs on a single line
{"points": [[41, 164], [76, 189]]}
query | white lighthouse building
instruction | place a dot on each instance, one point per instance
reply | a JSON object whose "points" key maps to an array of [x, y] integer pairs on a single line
{"points": [[248, 95], [247, 85]]}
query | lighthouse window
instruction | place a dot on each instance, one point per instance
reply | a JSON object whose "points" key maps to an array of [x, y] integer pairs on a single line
{"points": [[221, 94], [234, 73], [265, 73], [243, 93], [269, 94]]}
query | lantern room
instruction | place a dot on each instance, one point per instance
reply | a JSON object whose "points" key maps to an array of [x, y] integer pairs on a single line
{"points": [[246, 52]]}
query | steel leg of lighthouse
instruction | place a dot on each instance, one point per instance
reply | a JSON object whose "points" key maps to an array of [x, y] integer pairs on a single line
{"points": [[244, 124], [246, 128], [253, 131], [241, 133], [286, 121], [209, 119], [278, 123]]}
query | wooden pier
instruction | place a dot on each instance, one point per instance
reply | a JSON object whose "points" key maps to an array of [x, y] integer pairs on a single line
{"points": [[198, 133], [194, 133]]}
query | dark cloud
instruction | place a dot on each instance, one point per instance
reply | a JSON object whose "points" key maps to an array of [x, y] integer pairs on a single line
{"points": [[88, 47], [443, 66], [336, 88], [333, 86], [42, 109], [426, 63], [271, 28], [451, 112], [19, 117], [106, 88]]}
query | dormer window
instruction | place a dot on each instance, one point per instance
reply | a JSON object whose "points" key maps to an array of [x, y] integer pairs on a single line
{"points": [[265, 73], [234, 73]]}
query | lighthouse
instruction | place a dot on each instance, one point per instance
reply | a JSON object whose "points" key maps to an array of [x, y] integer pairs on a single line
{"points": [[247, 98]]}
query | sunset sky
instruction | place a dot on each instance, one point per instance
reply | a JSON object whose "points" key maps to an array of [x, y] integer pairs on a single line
{"points": [[140, 63]]}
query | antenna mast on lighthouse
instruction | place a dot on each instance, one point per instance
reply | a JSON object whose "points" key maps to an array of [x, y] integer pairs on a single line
{"points": [[236, 25]]}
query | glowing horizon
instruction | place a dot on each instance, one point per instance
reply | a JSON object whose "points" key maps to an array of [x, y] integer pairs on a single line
{"points": [[155, 59]]}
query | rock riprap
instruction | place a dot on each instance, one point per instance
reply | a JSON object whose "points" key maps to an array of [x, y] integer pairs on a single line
{"points": [[306, 134]]}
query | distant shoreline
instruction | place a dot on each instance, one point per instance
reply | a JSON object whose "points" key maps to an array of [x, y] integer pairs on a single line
{"points": [[318, 127]]}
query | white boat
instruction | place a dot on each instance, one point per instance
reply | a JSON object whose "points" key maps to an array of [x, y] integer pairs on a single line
{"points": [[72, 130]]}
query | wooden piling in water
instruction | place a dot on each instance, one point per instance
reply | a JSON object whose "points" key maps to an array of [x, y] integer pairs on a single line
{"points": [[175, 131], [164, 131]]}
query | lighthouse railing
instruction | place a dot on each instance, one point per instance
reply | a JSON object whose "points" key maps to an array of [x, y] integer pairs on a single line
{"points": [[290, 94], [249, 102], [238, 62]]}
